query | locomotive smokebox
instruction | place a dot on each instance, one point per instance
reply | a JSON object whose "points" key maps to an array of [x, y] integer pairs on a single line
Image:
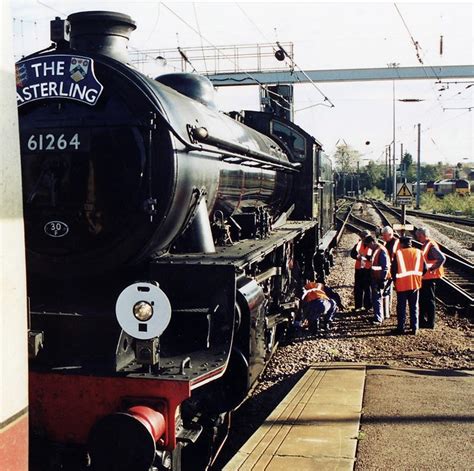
{"points": [[102, 32]]}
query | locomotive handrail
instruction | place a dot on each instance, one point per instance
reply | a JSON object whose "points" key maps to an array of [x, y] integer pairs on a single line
{"points": [[201, 134], [269, 159]]}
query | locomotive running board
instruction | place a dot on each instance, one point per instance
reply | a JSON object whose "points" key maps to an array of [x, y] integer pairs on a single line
{"points": [[245, 252]]}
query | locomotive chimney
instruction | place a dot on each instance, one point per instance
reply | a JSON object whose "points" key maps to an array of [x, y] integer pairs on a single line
{"points": [[102, 32]]}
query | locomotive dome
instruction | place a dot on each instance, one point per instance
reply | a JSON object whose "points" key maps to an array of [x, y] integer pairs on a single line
{"points": [[194, 86]]}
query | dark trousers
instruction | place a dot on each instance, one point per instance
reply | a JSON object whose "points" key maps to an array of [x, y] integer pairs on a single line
{"points": [[428, 303], [362, 291], [412, 298], [325, 308]]}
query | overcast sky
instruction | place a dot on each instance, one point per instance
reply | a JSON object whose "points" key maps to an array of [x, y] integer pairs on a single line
{"points": [[324, 36]]}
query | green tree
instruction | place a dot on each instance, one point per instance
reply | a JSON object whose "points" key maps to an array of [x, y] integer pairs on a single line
{"points": [[431, 172], [407, 160], [375, 175], [410, 171], [346, 158]]}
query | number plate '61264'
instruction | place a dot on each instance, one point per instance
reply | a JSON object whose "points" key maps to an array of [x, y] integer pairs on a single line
{"points": [[33, 142]]}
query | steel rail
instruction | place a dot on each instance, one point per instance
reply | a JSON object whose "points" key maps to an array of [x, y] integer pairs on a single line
{"points": [[442, 217], [343, 221]]}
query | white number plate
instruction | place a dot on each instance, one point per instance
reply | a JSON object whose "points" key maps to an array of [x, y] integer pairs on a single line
{"points": [[55, 141]]}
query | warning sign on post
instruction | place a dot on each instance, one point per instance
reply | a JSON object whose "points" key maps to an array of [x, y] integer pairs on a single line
{"points": [[404, 194]]}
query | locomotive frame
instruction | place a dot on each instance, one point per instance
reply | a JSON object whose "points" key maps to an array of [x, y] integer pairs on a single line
{"points": [[229, 216]]}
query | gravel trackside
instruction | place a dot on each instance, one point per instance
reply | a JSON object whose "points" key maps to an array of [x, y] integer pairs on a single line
{"points": [[353, 339]]}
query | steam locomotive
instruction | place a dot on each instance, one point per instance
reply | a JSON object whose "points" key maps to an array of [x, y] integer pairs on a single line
{"points": [[166, 246]]}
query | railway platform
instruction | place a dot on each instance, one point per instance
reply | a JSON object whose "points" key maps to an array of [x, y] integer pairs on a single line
{"points": [[345, 416]]}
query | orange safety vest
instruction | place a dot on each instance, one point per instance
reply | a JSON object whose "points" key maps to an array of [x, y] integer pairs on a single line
{"points": [[313, 291], [439, 272], [364, 252], [376, 267], [409, 269], [394, 248]]}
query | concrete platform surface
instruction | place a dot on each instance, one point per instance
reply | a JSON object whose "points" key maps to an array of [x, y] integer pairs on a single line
{"points": [[417, 419], [315, 427]]}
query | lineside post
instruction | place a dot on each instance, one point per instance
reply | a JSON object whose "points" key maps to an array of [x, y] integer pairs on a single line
{"points": [[418, 169], [13, 308]]}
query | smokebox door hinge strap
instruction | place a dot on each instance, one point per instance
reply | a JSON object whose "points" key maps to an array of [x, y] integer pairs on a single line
{"points": [[150, 204]]}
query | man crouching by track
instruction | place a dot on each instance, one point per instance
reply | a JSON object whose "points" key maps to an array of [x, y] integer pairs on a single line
{"points": [[380, 278], [319, 302]]}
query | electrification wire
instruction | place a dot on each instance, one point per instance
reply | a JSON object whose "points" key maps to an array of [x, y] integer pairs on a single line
{"points": [[156, 23], [295, 65], [260, 31], [22, 36], [469, 108], [418, 49], [439, 149], [200, 36], [213, 45], [154, 59], [456, 95], [415, 43], [185, 58], [442, 123], [51, 8], [251, 21], [209, 42], [274, 50]]}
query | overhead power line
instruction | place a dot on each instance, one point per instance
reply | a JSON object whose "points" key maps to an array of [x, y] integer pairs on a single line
{"points": [[200, 35], [218, 51], [295, 65], [415, 43]]}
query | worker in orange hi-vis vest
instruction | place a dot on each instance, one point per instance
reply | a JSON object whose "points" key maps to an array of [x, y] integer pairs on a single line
{"points": [[392, 244], [407, 270], [362, 291], [380, 276], [320, 302], [435, 259]]}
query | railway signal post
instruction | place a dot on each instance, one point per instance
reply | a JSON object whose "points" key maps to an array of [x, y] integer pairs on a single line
{"points": [[404, 196]]}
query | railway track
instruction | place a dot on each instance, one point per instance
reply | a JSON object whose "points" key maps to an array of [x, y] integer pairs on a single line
{"points": [[459, 229], [442, 217], [456, 289]]}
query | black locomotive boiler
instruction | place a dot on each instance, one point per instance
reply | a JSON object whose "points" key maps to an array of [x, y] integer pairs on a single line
{"points": [[166, 245]]}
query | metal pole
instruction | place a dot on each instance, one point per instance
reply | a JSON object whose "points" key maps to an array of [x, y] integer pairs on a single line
{"points": [[418, 170], [390, 172], [386, 173], [394, 162], [358, 177]]}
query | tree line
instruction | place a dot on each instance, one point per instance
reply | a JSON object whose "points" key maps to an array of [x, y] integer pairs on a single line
{"points": [[349, 160]]}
